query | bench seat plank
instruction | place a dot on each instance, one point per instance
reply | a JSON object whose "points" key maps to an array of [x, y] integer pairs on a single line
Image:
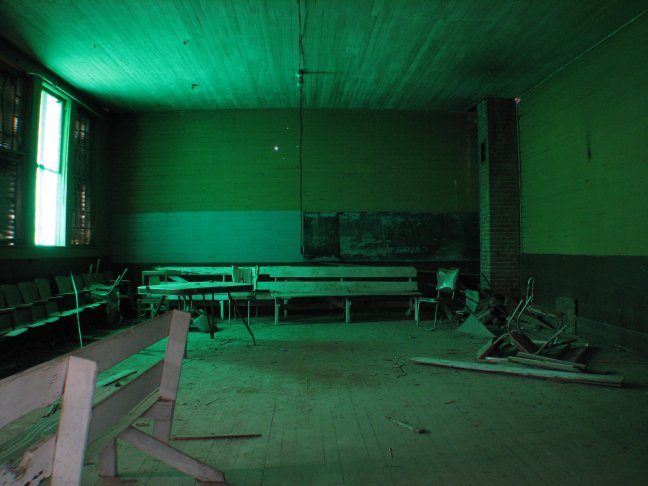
{"points": [[343, 287], [338, 271]]}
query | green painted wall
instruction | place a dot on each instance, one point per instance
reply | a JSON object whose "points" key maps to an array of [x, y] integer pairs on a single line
{"points": [[584, 153], [584, 178], [232, 180], [358, 161], [206, 160], [352, 161]]}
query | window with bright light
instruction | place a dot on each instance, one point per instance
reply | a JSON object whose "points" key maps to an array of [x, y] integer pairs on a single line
{"points": [[51, 170]]}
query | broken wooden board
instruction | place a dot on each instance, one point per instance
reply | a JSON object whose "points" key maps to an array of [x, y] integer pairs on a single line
{"points": [[549, 365], [549, 359], [491, 346], [523, 342], [474, 327], [589, 379]]}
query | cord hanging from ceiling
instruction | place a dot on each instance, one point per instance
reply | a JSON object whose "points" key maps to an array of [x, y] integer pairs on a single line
{"points": [[300, 85]]}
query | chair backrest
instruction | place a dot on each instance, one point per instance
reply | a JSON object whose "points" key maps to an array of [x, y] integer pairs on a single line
{"points": [[44, 287], [78, 281], [64, 284], [447, 279], [30, 295], [21, 315], [45, 293], [6, 317]]}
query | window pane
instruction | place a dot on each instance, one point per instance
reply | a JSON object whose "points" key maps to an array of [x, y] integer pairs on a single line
{"points": [[47, 190], [50, 130], [50, 172]]}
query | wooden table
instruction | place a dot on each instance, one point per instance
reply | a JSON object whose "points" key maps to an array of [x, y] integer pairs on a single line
{"points": [[185, 291]]}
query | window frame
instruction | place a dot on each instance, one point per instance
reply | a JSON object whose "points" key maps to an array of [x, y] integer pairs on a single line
{"points": [[62, 196]]}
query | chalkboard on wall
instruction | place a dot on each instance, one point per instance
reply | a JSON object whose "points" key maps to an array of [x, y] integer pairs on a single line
{"points": [[391, 236]]}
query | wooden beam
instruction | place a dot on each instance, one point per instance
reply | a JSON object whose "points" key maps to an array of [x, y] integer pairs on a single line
{"points": [[113, 408], [169, 455], [116, 348], [591, 379], [75, 421]]}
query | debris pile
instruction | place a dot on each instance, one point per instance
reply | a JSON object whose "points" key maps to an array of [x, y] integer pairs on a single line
{"points": [[552, 353]]}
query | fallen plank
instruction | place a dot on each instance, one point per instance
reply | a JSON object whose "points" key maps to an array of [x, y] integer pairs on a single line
{"points": [[549, 365], [548, 359], [589, 379]]}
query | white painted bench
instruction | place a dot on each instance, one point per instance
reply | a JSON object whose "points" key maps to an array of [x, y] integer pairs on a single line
{"points": [[167, 274], [161, 275], [89, 424], [283, 283]]}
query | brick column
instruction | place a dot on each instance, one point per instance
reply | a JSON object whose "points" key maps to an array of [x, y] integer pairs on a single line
{"points": [[499, 195]]}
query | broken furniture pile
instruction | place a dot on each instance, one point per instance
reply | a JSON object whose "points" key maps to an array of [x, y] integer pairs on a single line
{"points": [[554, 353]]}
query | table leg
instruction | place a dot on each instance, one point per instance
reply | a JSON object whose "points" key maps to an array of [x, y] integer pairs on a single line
{"points": [[238, 313], [157, 309], [210, 317]]}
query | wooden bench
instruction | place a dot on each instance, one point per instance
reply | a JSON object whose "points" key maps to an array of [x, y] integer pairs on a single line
{"points": [[283, 283], [92, 420], [161, 275]]}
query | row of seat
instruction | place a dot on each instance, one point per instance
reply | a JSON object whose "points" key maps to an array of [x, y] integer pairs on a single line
{"points": [[32, 304]]}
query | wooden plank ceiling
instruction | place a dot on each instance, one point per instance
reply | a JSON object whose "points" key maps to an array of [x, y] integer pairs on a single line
{"points": [[143, 55]]}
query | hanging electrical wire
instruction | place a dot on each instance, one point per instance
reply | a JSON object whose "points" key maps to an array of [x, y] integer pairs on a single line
{"points": [[300, 85]]}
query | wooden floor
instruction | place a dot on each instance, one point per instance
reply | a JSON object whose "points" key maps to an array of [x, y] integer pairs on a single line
{"points": [[319, 395]]}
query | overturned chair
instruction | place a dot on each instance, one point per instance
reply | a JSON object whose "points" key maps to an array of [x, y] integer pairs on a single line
{"points": [[56, 447]]}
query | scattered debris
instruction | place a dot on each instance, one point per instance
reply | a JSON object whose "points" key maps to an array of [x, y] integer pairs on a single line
{"points": [[391, 452], [53, 409], [407, 426], [556, 354]]}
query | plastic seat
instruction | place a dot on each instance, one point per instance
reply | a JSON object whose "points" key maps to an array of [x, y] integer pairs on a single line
{"points": [[445, 291]]}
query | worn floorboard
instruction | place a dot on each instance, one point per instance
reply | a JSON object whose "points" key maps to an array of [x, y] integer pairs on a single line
{"points": [[319, 393]]}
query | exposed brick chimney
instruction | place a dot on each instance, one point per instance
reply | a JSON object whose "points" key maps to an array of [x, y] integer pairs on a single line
{"points": [[499, 195]]}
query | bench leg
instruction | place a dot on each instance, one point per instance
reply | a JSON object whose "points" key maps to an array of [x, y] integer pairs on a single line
{"points": [[417, 305], [277, 311], [347, 310], [171, 456]]}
